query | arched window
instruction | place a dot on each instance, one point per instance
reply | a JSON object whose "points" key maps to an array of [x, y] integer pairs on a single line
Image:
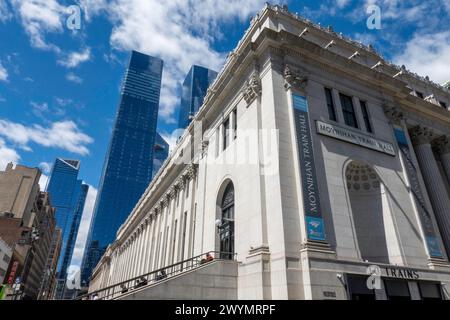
{"points": [[370, 212], [226, 228]]}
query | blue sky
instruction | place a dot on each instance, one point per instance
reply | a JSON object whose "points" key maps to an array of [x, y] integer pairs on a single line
{"points": [[59, 88]]}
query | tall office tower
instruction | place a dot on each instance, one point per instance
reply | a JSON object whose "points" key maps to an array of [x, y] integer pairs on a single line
{"points": [[161, 153], [68, 195], [128, 165], [193, 93]]}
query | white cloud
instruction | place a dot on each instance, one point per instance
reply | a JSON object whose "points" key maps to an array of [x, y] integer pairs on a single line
{"points": [[5, 13], [39, 17], [39, 108], [7, 155], [427, 54], [63, 102], [342, 3], [64, 135], [74, 59], [84, 227], [3, 73], [178, 31], [45, 167], [72, 77], [172, 138]]}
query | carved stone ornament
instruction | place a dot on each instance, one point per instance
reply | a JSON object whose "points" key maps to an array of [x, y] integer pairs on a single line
{"points": [[421, 135], [191, 171], [294, 78], [172, 192], [394, 114], [180, 183], [205, 144], [252, 88]]}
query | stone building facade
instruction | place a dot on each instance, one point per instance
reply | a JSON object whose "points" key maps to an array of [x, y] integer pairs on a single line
{"points": [[314, 160], [27, 225]]}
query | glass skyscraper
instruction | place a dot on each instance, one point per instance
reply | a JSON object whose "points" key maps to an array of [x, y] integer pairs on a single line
{"points": [[161, 153], [68, 196], [193, 93], [128, 166]]}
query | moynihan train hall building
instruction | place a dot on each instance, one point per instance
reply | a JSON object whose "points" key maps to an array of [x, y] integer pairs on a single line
{"points": [[315, 169]]}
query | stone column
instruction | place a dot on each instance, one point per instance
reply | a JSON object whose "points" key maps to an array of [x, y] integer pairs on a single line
{"points": [[141, 257], [443, 147], [139, 251], [125, 265], [145, 247], [130, 258], [133, 256], [421, 138], [121, 264], [152, 243], [115, 272]]}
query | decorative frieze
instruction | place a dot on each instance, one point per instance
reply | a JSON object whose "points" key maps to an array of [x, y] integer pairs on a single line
{"points": [[294, 78], [252, 88], [421, 135]]}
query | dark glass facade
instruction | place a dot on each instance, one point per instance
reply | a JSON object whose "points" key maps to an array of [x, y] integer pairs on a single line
{"points": [[128, 166], [161, 153], [68, 196], [193, 93]]}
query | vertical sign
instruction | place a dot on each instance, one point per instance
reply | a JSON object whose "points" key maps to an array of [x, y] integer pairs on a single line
{"points": [[311, 201], [12, 273], [425, 218]]}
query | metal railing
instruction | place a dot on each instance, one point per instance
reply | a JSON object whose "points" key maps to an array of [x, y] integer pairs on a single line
{"points": [[116, 290]]}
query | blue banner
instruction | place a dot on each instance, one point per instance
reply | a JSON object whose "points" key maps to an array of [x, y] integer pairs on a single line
{"points": [[311, 200]]}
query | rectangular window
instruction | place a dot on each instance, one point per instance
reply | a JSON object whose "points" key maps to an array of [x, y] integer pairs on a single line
{"points": [[419, 94], [330, 104], [348, 110], [234, 124], [226, 131], [365, 114], [443, 104]]}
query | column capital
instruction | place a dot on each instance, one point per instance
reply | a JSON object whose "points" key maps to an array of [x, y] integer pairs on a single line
{"points": [[191, 171], [421, 135], [252, 88], [180, 183], [295, 78], [442, 144], [394, 114]]}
